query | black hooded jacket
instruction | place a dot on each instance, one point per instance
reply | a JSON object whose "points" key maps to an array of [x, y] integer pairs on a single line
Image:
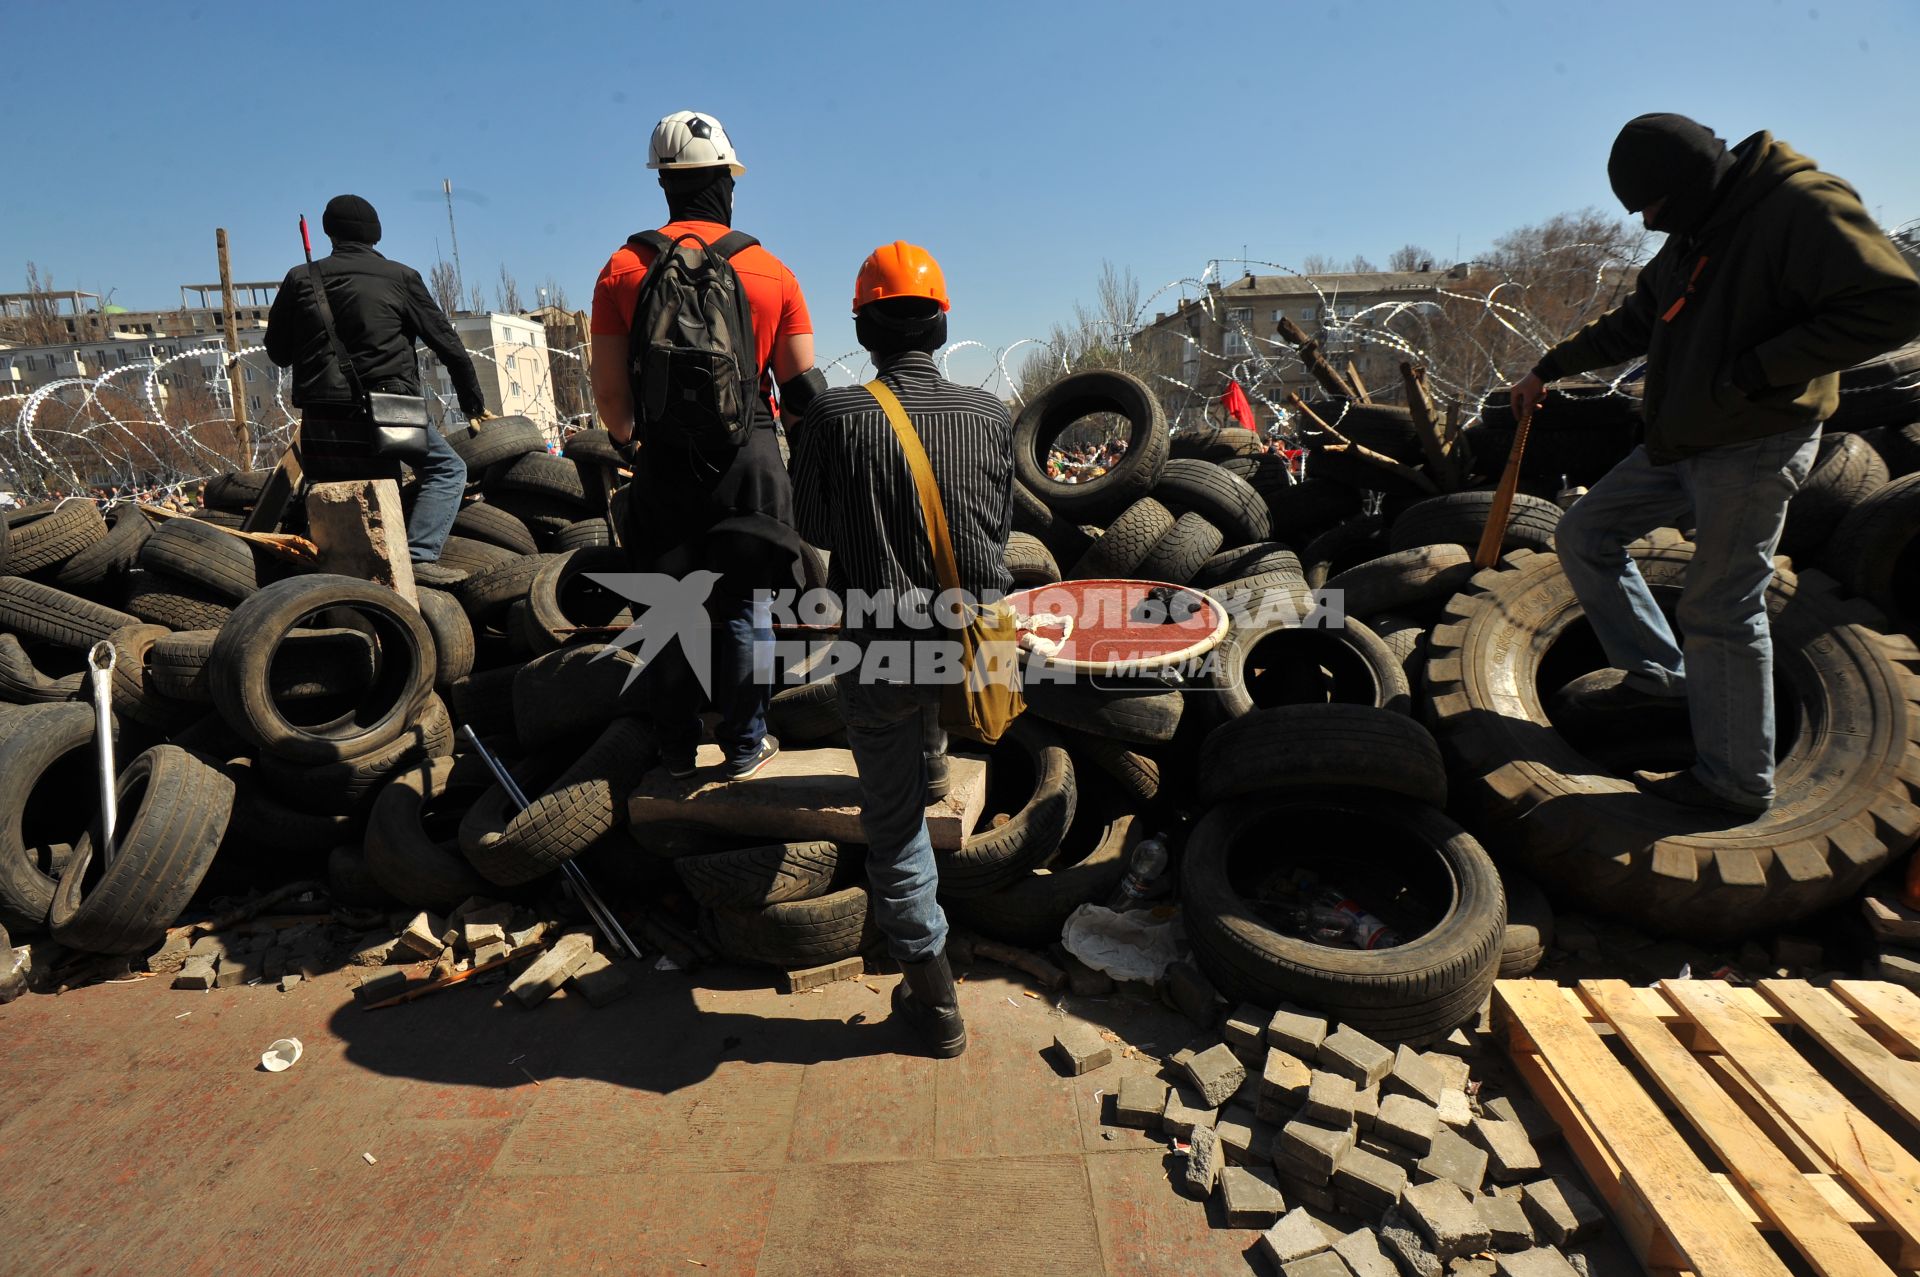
{"points": [[380, 308]]}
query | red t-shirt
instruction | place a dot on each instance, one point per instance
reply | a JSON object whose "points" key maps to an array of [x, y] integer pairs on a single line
{"points": [[772, 292]]}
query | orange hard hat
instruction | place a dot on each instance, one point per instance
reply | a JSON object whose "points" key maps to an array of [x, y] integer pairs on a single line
{"points": [[899, 269]]}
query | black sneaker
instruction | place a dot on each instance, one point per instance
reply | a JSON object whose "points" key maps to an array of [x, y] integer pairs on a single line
{"points": [[769, 748], [1689, 791], [682, 771], [1608, 692]]}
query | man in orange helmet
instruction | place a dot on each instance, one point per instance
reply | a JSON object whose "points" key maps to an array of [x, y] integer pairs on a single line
{"points": [[855, 496]]}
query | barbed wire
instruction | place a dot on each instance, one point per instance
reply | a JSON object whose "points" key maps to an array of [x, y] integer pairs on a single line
{"points": [[126, 430]]}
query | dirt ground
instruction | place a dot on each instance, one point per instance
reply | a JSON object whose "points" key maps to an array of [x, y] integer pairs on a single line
{"points": [[694, 1127]]}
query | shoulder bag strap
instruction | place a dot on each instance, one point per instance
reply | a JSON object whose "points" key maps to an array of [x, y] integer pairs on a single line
{"points": [[339, 350], [945, 567]]}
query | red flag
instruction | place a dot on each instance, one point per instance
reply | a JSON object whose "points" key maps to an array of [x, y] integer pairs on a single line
{"points": [[1237, 405]]}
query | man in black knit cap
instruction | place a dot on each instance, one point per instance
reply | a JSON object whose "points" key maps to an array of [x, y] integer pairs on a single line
{"points": [[380, 308], [1773, 278]]}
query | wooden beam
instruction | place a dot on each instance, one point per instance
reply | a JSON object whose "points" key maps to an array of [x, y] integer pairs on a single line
{"points": [[1427, 430], [1893, 1079], [1359, 386], [1309, 351], [1342, 445]]}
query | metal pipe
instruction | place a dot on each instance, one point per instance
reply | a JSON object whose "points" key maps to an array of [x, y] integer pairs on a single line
{"points": [[103, 728], [596, 908]]}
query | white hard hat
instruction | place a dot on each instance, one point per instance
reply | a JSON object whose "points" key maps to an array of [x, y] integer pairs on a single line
{"points": [[688, 139]]}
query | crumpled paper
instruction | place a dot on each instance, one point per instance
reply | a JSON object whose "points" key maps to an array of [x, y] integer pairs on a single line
{"points": [[1133, 945]]}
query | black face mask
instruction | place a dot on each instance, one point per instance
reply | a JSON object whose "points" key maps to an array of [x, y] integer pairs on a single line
{"points": [[880, 336], [1670, 157], [699, 195]]}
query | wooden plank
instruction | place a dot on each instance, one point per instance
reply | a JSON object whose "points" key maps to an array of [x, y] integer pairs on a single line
{"points": [[1893, 1010], [1688, 1204], [1774, 1185], [1653, 1003], [1765, 1114], [1893, 1079], [1886, 1176]]}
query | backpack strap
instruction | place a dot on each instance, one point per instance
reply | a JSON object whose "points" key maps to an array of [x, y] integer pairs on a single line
{"points": [[732, 242], [651, 240]]}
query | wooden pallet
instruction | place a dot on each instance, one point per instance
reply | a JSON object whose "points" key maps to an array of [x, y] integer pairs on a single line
{"points": [[1785, 1152]]}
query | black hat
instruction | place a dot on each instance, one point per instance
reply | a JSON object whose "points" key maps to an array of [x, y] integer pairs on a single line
{"points": [[348, 217], [1661, 154]]}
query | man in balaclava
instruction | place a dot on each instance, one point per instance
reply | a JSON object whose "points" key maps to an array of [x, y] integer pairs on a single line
{"points": [[724, 507], [857, 498], [380, 308], [1772, 279]]}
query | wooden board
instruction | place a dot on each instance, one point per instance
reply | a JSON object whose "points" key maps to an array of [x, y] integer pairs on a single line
{"points": [[1866, 1158], [1780, 1190], [1894, 1080], [1658, 1173], [1889, 1008]]}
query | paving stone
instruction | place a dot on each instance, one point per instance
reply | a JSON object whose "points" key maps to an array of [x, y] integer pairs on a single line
{"points": [[1079, 1048], [1408, 1252], [1312, 1147], [1409, 1123], [1543, 1261], [1581, 1265], [1205, 1042], [1535, 1120], [1184, 1113], [1506, 1221], [1366, 1106], [1510, 1154], [1456, 1159], [233, 972], [1234, 1126], [1284, 1079], [1205, 1161], [423, 935], [1446, 1217], [1414, 1073], [1140, 1101], [289, 981], [528, 936], [1325, 1264], [1455, 1109], [1468, 1267], [1373, 1181], [1295, 1236], [1217, 1073], [1192, 994], [197, 972], [1298, 1033], [1246, 1031], [1454, 1071], [1252, 1197], [1353, 1054], [1560, 1211], [168, 958], [550, 970], [1901, 966], [381, 986], [212, 945], [599, 980], [1304, 1191], [1360, 1251], [1330, 1100], [1890, 920], [1398, 1154]]}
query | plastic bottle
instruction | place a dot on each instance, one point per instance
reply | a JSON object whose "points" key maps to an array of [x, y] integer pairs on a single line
{"points": [[1333, 919], [1149, 861]]}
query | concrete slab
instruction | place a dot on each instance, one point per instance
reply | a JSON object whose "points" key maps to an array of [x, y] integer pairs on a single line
{"points": [[802, 794]]}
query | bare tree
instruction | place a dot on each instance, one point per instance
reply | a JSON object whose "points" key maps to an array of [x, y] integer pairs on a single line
{"points": [[1360, 265], [477, 301], [1100, 336], [508, 292], [1409, 257], [555, 295], [445, 286], [40, 325], [1318, 264]]}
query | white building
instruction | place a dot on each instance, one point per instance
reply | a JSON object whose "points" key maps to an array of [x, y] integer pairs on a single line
{"points": [[510, 355]]}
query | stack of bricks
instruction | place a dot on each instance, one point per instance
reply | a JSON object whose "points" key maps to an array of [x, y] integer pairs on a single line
{"points": [[1303, 1127]]}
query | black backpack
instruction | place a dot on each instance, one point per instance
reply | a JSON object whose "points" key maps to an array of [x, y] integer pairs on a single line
{"points": [[692, 359]]}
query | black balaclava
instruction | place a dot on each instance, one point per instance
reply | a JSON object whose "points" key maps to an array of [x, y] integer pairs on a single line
{"points": [[897, 325], [699, 194], [1672, 157], [350, 219]]}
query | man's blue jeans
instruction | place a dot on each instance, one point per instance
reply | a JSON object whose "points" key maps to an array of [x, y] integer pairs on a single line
{"points": [[1737, 496], [740, 647], [443, 480], [890, 727]]}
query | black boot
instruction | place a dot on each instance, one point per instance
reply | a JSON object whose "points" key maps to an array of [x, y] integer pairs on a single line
{"points": [[933, 751], [926, 999]]}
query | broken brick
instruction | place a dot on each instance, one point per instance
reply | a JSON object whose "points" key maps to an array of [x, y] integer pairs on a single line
{"points": [[543, 978], [1184, 1113], [1446, 1217], [1079, 1048], [1217, 1073], [1139, 1102], [599, 981], [818, 977]]}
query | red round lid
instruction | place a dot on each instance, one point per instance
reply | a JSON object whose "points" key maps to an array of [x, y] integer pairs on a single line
{"points": [[1109, 624]]}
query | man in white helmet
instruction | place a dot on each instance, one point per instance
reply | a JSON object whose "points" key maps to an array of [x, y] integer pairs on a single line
{"points": [[728, 508]]}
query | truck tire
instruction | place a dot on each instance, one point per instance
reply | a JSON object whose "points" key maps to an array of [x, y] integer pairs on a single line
{"points": [[1845, 798]]}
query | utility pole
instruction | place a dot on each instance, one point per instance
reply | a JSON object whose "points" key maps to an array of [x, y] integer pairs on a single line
{"points": [[446, 184], [236, 375]]}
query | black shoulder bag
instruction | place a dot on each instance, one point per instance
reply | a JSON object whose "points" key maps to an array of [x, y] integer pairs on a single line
{"points": [[399, 422]]}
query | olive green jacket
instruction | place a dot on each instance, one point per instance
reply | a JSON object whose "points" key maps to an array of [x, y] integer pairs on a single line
{"points": [[1747, 322]]}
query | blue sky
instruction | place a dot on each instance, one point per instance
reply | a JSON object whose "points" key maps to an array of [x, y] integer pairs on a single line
{"points": [[1022, 143]]}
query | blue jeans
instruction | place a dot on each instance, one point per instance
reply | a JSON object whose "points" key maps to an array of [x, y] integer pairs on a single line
{"points": [[443, 481], [1738, 497], [742, 628], [891, 727]]}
